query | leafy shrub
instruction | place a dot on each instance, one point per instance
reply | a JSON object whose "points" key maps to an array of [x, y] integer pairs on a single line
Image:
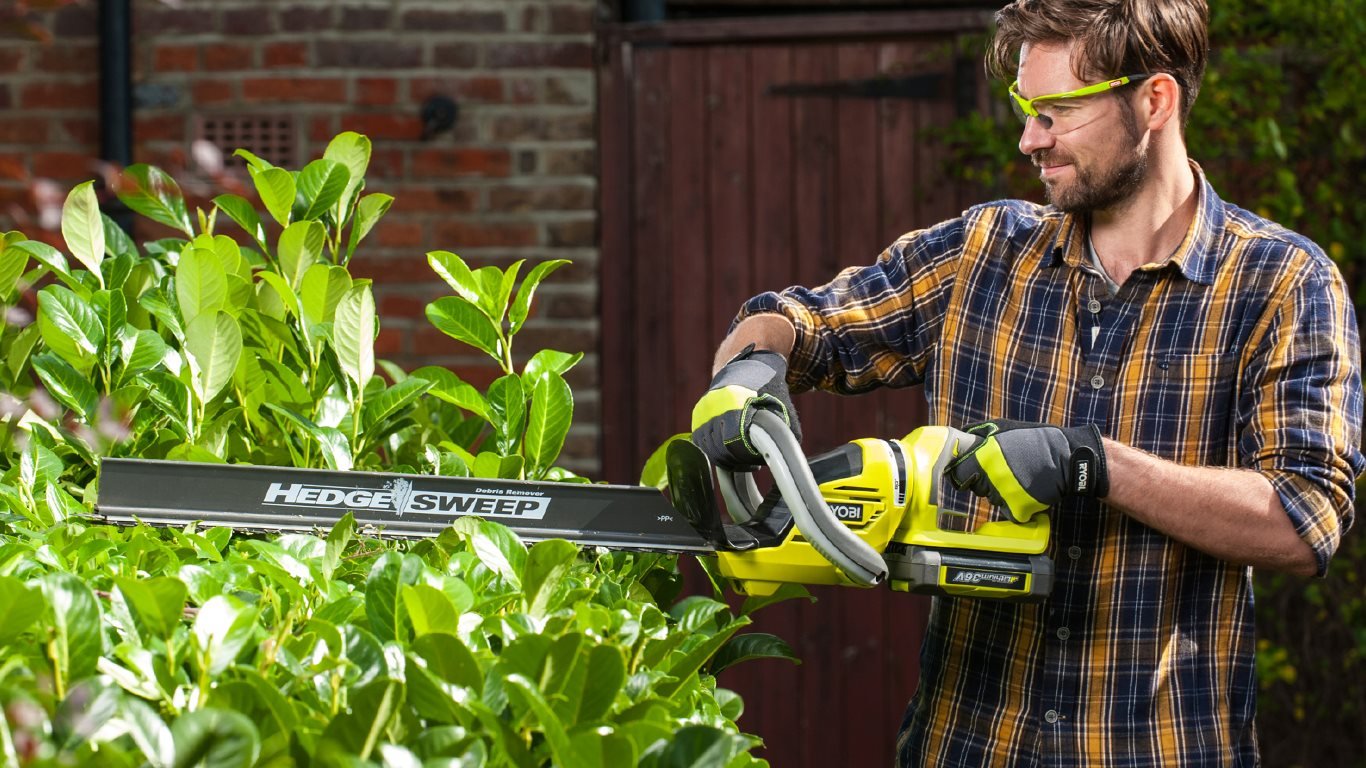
{"points": [[125, 646]]}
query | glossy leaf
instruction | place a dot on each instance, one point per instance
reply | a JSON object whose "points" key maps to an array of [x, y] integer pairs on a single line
{"points": [[83, 229], [368, 213], [215, 738], [112, 310], [69, 326], [67, 385], [352, 151], [547, 563], [507, 404], [13, 262], [429, 610], [201, 285], [152, 193], [384, 594], [394, 399], [448, 387], [353, 334], [323, 287], [157, 603], [457, 274], [222, 628], [552, 409], [321, 184], [276, 188], [301, 247], [465, 322], [241, 211], [20, 607], [215, 342], [521, 307], [76, 623]]}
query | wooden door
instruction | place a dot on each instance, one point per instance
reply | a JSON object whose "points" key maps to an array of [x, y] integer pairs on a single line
{"points": [[743, 156]]}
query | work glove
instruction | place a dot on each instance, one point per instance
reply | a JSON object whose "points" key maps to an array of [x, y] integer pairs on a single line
{"points": [[1028, 468], [753, 379]]}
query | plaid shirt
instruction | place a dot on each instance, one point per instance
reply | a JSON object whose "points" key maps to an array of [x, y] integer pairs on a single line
{"points": [[1240, 350]]}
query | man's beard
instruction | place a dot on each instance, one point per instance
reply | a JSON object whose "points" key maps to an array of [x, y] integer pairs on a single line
{"points": [[1103, 189]]}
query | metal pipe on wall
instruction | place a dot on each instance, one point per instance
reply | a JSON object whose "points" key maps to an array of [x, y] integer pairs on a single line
{"points": [[116, 96]]}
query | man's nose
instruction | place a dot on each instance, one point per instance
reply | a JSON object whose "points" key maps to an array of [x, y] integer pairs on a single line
{"points": [[1034, 137]]}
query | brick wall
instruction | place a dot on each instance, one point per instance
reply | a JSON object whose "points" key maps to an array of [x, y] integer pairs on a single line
{"points": [[515, 178]]}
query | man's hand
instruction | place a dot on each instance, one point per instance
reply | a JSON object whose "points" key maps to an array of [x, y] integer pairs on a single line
{"points": [[1027, 468], [751, 380]]}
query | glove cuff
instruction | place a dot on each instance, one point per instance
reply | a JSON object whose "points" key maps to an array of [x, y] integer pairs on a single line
{"points": [[1087, 475]]}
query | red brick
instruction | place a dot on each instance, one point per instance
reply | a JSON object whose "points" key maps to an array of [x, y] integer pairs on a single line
{"points": [[455, 235], [389, 270], [305, 19], [572, 126], [82, 94], [537, 55], [63, 166], [67, 58], [254, 22], [389, 342], [13, 167], [559, 335], [11, 59], [6, 97], [555, 197], [387, 164], [167, 127], [376, 91], [455, 55], [23, 130], [283, 55], [82, 130], [523, 91], [572, 90], [155, 20], [365, 19], [572, 234], [402, 305], [569, 162], [461, 162], [355, 54], [205, 92], [455, 21], [396, 233], [79, 20], [176, 58], [439, 199], [487, 90], [221, 57], [571, 19], [384, 126], [293, 90], [321, 128]]}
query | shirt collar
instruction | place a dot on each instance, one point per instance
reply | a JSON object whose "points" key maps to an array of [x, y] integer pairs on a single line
{"points": [[1197, 257]]}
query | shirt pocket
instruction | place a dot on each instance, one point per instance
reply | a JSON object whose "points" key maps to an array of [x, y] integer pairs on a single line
{"points": [[1183, 406]]}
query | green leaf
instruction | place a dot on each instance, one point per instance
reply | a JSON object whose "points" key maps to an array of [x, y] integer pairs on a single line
{"points": [[684, 668], [20, 607], [547, 563], [152, 193], [13, 262], [394, 399], [561, 748], [360, 729], [254, 164], [450, 659], [383, 594], [430, 610], [464, 321], [517, 313], [448, 387], [142, 351], [546, 362], [507, 403], [112, 310], [215, 738], [497, 548], [149, 732], [369, 211], [214, 341], [277, 191], [323, 287], [67, 385], [69, 326], [352, 151], [244, 214], [457, 274], [353, 334], [606, 676], [341, 534], [300, 247], [696, 746], [552, 410], [201, 284], [21, 349], [785, 592], [117, 242], [49, 257], [76, 624], [321, 184], [83, 229], [753, 645], [655, 474], [156, 604], [222, 629]]}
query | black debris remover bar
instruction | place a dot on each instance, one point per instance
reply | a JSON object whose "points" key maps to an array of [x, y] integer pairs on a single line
{"points": [[270, 499]]}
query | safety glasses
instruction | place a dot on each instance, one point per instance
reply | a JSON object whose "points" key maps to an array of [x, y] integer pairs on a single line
{"points": [[1055, 112]]}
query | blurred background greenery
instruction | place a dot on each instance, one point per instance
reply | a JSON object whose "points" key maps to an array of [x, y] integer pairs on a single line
{"points": [[1280, 129]]}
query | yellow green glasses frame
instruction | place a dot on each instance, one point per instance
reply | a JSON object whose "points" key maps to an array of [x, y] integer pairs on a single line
{"points": [[1027, 108]]}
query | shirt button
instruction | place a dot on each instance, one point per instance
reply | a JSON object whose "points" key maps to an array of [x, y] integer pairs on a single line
{"points": [[1051, 716], [1093, 307], [1097, 381], [1074, 553], [1064, 633]]}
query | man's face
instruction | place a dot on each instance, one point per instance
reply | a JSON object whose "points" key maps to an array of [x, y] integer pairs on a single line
{"points": [[1102, 160]]}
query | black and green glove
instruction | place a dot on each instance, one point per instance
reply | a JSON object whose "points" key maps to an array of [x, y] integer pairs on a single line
{"points": [[1028, 468], [753, 379]]}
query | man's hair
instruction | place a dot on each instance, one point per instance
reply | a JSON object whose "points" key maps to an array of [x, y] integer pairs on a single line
{"points": [[1112, 38]]}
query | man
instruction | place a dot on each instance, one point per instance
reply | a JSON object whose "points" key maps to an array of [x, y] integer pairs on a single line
{"points": [[1176, 379]]}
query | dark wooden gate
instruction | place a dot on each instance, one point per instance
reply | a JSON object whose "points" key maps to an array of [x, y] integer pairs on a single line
{"points": [[746, 155]]}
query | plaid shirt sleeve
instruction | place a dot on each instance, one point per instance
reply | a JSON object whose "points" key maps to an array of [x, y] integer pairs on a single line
{"points": [[1300, 414], [874, 325]]}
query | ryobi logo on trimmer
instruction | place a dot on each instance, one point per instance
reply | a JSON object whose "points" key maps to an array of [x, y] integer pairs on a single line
{"points": [[852, 513], [400, 497]]}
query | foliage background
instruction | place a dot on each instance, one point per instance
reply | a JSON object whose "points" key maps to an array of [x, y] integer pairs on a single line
{"points": [[1278, 128]]}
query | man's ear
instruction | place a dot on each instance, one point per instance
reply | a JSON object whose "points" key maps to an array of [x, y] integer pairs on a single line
{"points": [[1162, 97]]}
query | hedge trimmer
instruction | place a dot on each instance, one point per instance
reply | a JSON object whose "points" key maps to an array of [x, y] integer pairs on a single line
{"points": [[860, 515]]}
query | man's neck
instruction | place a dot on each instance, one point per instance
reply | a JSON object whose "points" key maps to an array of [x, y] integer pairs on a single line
{"points": [[1150, 226]]}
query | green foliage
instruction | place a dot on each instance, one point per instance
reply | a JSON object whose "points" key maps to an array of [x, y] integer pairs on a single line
{"points": [[132, 646], [1280, 129]]}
